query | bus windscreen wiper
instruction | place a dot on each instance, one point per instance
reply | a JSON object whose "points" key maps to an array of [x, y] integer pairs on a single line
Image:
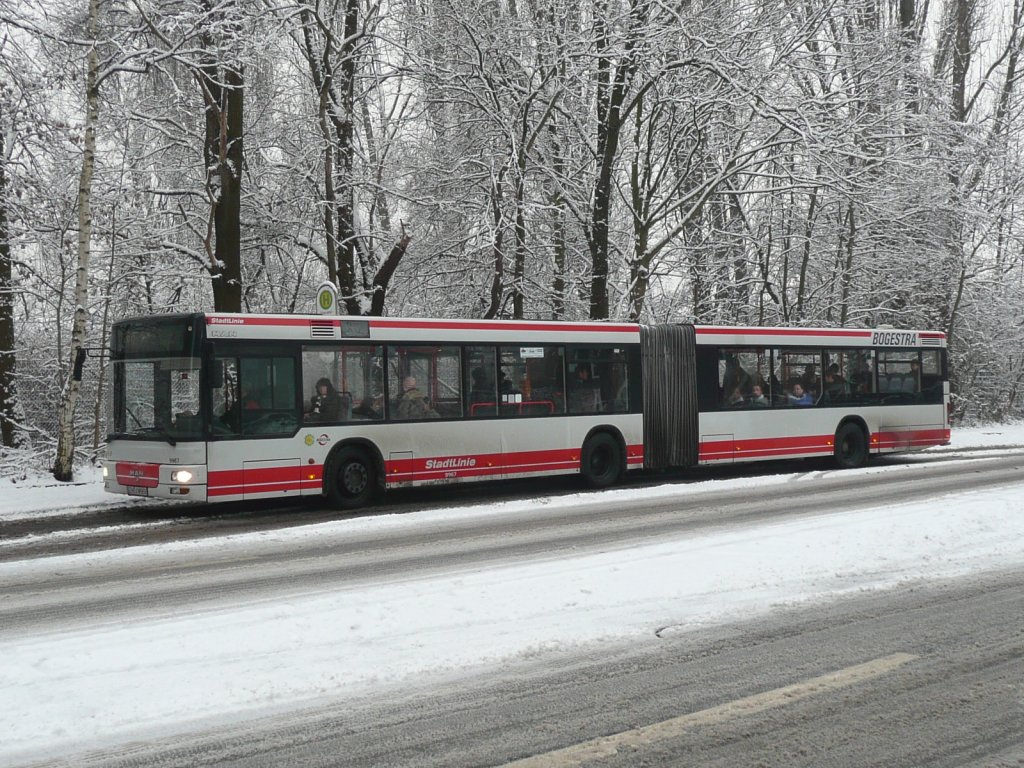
{"points": [[159, 431], [144, 429]]}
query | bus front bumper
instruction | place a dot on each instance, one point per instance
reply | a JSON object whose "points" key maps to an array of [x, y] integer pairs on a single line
{"points": [[160, 481]]}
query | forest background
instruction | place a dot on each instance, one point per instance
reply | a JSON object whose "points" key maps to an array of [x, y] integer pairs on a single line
{"points": [[777, 162]]}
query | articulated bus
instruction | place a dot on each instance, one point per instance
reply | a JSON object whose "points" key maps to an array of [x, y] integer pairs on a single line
{"points": [[214, 407]]}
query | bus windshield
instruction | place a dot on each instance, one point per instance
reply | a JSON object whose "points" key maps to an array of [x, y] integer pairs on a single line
{"points": [[155, 392]]}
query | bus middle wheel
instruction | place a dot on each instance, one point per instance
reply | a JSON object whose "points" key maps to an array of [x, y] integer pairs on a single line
{"points": [[601, 460], [351, 479], [851, 449]]}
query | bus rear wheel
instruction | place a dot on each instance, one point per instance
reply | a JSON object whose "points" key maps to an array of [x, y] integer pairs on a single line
{"points": [[351, 479], [601, 460], [851, 449]]}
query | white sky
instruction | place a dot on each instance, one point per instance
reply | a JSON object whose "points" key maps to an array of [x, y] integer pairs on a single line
{"points": [[82, 687]]}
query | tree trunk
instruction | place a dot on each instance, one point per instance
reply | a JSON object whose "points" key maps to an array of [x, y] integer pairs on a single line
{"points": [[557, 205], [63, 467], [519, 259], [382, 279], [350, 285], [101, 378], [805, 259], [8, 393], [609, 96], [847, 276], [498, 254], [223, 88], [613, 84], [962, 51]]}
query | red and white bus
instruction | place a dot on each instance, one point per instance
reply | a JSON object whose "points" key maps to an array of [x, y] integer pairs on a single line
{"points": [[215, 407]]}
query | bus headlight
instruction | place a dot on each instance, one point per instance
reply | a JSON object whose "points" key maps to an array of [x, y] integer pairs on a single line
{"points": [[181, 476], [106, 472]]}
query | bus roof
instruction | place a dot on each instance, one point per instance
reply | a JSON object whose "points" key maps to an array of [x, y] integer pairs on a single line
{"points": [[328, 327]]}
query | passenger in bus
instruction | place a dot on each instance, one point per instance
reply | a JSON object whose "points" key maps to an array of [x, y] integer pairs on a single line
{"points": [[366, 409], [325, 405], [735, 399], [584, 397], [797, 396], [862, 377], [735, 376], [834, 386], [412, 404], [482, 390], [757, 398], [809, 381], [505, 385]]}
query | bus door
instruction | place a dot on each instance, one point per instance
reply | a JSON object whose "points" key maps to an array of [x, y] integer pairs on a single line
{"points": [[254, 419], [913, 379], [531, 397], [442, 434]]}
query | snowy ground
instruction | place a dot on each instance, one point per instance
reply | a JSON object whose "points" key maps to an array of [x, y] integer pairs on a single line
{"points": [[84, 688]]}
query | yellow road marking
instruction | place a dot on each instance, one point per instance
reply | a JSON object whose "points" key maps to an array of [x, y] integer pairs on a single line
{"points": [[606, 746]]}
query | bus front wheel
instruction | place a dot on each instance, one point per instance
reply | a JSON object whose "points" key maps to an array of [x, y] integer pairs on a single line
{"points": [[601, 460], [851, 447], [351, 479]]}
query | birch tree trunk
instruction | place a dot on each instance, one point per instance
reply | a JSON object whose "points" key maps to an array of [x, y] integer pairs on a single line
{"points": [[63, 467]]}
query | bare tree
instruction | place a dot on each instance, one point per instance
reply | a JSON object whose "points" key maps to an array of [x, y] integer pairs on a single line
{"points": [[63, 466], [337, 45], [8, 363], [210, 46]]}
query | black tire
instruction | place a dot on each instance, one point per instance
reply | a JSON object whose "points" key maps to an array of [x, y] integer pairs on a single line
{"points": [[851, 449], [351, 479], [601, 461]]}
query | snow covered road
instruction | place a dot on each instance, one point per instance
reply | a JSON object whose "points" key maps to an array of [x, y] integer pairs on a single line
{"points": [[99, 678]]}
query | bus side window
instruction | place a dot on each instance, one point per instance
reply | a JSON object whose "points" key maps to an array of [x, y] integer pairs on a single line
{"points": [[931, 376], [480, 384], [424, 382], [225, 398], [744, 378], [354, 390], [269, 399], [362, 376], [835, 377], [530, 380], [899, 375], [707, 378], [796, 376], [597, 377]]}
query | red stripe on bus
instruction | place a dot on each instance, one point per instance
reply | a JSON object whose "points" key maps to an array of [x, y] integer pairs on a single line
{"points": [[781, 332], [267, 488], [499, 325], [778, 447], [910, 438], [263, 480], [493, 464], [235, 482], [765, 447]]}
